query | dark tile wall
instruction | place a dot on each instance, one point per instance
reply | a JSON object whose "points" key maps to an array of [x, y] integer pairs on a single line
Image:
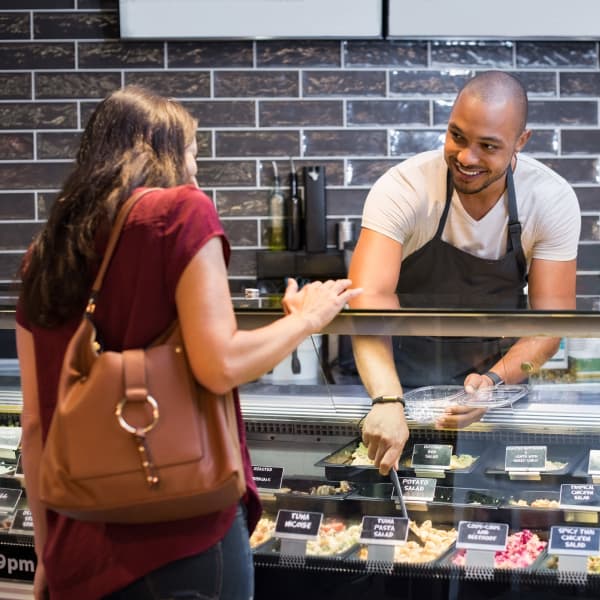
{"points": [[356, 107]]}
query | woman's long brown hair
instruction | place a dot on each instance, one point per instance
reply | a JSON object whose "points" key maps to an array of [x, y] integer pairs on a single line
{"points": [[134, 138]]}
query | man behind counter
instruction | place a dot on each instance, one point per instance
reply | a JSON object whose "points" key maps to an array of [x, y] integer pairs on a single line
{"points": [[453, 223]]}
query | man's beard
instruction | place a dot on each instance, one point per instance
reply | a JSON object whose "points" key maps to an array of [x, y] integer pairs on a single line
{"points": [[469, 191]]}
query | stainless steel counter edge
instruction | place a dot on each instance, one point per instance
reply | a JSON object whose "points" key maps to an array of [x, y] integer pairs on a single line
{"points": [[445, 323], [436, 323]]}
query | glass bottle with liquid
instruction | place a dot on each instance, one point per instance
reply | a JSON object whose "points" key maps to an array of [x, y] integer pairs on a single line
{"points": [[293, 213], [276, 228]]}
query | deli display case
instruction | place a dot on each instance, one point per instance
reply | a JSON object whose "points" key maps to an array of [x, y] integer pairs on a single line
{"points": [[507, 507], [493, 514]]}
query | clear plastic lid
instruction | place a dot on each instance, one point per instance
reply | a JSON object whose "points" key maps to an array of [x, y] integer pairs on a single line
{"points": [[426, 404], [493, 397]]}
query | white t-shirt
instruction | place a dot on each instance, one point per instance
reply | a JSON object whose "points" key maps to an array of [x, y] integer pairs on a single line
{"points": [[407, 202]]}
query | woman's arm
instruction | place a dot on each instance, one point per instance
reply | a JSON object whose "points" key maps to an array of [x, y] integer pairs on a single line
{"points": [[223, 356], [31, 447]]}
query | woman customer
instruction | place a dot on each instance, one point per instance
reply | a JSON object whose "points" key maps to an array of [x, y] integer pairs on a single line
{"points": [[170, 262]]}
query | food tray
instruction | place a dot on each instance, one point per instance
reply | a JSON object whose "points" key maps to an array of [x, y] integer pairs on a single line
{"points": [[428, 549], [567, 454], [467, 497], [263, 533], [461, 448], [533, 500], [454, 496], [314, 487], [550, 563], [338, 465], [337, 538], [454, 504], [330, 506], [534, 517], [580, 470], [372, 491], [510, 553]]}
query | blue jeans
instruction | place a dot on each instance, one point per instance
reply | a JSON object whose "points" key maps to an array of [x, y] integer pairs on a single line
{"points": [[223, 572]]}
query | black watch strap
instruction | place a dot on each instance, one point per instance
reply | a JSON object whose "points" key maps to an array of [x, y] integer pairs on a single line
{"points": [[388, 399], [496, 379]]}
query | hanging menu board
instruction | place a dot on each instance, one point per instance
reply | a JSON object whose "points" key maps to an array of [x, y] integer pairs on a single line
{"points": [[250, 19]]}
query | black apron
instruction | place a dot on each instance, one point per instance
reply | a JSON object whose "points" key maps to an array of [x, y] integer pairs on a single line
{"points": [[451, 278]]}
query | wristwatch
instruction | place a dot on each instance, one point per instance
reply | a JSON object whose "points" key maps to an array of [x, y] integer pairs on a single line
{"points": [[496, 379], [388, 399]]}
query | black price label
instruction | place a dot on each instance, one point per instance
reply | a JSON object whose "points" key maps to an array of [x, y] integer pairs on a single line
{"points": [[482, 536], [594, 463], [431, 456], [525, 458], [574, 540], [417, 488], [384, 530], [267, 477], [9, 497], [577, 495], [298, 524], [22, 522]]}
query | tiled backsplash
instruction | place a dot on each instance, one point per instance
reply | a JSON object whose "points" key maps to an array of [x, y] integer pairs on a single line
{"points": [[356, 107]]}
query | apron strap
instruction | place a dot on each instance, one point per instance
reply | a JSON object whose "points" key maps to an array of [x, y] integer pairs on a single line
{"points": [[449, 191], [514, 226]]}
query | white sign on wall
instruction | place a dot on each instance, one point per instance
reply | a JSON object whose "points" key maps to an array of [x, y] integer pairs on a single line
{"points": [[529, 19], [250, 19]]}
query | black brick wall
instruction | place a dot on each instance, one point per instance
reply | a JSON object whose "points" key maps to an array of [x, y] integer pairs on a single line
{"points": [[356, 107]]}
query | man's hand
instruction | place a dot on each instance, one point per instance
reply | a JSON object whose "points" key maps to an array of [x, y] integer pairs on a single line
{"points": [[457, 417], [385, 433]]}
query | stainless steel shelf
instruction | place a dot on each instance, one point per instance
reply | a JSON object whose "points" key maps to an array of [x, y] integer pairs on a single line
{"points": [[425, 322]]}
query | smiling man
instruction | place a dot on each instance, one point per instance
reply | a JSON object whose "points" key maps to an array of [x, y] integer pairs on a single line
{"points": [[477, 221]]}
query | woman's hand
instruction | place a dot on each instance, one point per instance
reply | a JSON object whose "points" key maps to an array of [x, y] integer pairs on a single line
{"points": [[40, 584], [318, 302]]}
